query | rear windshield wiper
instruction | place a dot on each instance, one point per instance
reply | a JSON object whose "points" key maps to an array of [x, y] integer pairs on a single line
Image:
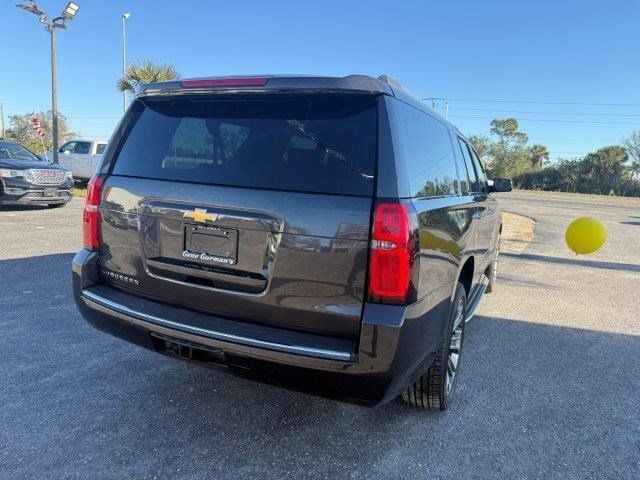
{"points": [[298, 126]]}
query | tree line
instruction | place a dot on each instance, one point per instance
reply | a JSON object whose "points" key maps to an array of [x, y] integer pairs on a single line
{"points": [[22, 132], [610, 170]]}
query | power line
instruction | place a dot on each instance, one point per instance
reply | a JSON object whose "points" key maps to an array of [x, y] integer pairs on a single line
{"points": [[99, 117], [551, 120], [570, 153], [537, 102], [599, 114], [531, 137], [476, 100], [39, 105]]}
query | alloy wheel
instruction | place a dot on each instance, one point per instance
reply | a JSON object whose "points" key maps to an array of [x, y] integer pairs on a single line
{"points": [[455, 347]]}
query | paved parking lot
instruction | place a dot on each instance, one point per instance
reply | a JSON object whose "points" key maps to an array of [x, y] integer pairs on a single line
{"points": [[549, 385]]}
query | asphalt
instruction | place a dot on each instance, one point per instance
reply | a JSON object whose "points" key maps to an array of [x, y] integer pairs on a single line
{"points": [[549, 385]]}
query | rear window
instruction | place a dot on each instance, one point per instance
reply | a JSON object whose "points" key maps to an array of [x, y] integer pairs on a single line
{"points": [[100, 148], [82, 148], [310, 143]]}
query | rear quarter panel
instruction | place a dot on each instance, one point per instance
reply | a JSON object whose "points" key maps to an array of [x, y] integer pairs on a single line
{"points": [[446, 238]]}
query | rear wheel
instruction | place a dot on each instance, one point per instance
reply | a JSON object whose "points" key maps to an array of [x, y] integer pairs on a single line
{"points": [[435, 389]]}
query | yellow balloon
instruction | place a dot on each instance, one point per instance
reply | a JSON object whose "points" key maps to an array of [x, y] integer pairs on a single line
{"points": [[585, 235]]}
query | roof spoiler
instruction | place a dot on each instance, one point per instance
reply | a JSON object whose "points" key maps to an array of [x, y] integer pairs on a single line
{"points": [[390, 81], [383, 85], [267, 83]]}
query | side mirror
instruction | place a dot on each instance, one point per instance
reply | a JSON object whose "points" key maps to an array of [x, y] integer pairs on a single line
{"points": [[501, 185]]}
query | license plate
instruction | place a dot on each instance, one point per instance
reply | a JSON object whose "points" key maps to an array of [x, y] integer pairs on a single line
{"points": [[50, 192], [210, 244]]}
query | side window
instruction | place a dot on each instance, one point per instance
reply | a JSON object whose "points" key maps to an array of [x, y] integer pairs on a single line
{"points": [[474, 186], [82, 148], [100, 148], [70, 146], [462, 166], [482, 181], [428, 153]]}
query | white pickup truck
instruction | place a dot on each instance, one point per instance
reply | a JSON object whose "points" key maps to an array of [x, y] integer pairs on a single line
{"points": [[81, 157]]}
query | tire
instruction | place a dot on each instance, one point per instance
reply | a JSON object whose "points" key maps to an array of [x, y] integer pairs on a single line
{"points": [[435, 389], [492, 271], [56, 205]]}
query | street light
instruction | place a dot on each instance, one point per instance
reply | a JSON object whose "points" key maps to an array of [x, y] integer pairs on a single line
{"points": [[125, 16], [51, 25], [70, 11]]}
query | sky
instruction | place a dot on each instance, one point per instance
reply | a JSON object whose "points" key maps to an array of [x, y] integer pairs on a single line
{"points": [[568, 70]]}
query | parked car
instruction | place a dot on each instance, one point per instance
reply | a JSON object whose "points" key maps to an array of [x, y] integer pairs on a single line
{"points": [[327, 234], [26, 178], [81, 157]]}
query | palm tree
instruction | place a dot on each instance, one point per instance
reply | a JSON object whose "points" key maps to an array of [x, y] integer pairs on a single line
{"points": [[145, 72], [538, 155]]}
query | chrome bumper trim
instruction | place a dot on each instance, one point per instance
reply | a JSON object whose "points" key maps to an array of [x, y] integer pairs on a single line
{"points": [[105, 303], [24, 191]]}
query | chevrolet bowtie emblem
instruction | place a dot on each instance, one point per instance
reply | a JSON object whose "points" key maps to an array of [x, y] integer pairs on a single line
{"points": [[200, 215]]}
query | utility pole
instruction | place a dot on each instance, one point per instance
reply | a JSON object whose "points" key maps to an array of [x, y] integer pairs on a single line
{"points": [[434, 104], [54, 95], [125, 16], [1, 121], [68, 14]]}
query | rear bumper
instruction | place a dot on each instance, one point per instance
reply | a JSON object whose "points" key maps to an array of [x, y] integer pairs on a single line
{"points": [[395, 343]]}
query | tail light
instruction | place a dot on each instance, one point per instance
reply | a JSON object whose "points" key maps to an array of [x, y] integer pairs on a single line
{"points": [[91, 234], [391, 253]]}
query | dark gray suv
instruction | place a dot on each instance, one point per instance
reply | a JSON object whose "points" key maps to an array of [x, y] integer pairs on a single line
{"points": [[326, 234]]}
